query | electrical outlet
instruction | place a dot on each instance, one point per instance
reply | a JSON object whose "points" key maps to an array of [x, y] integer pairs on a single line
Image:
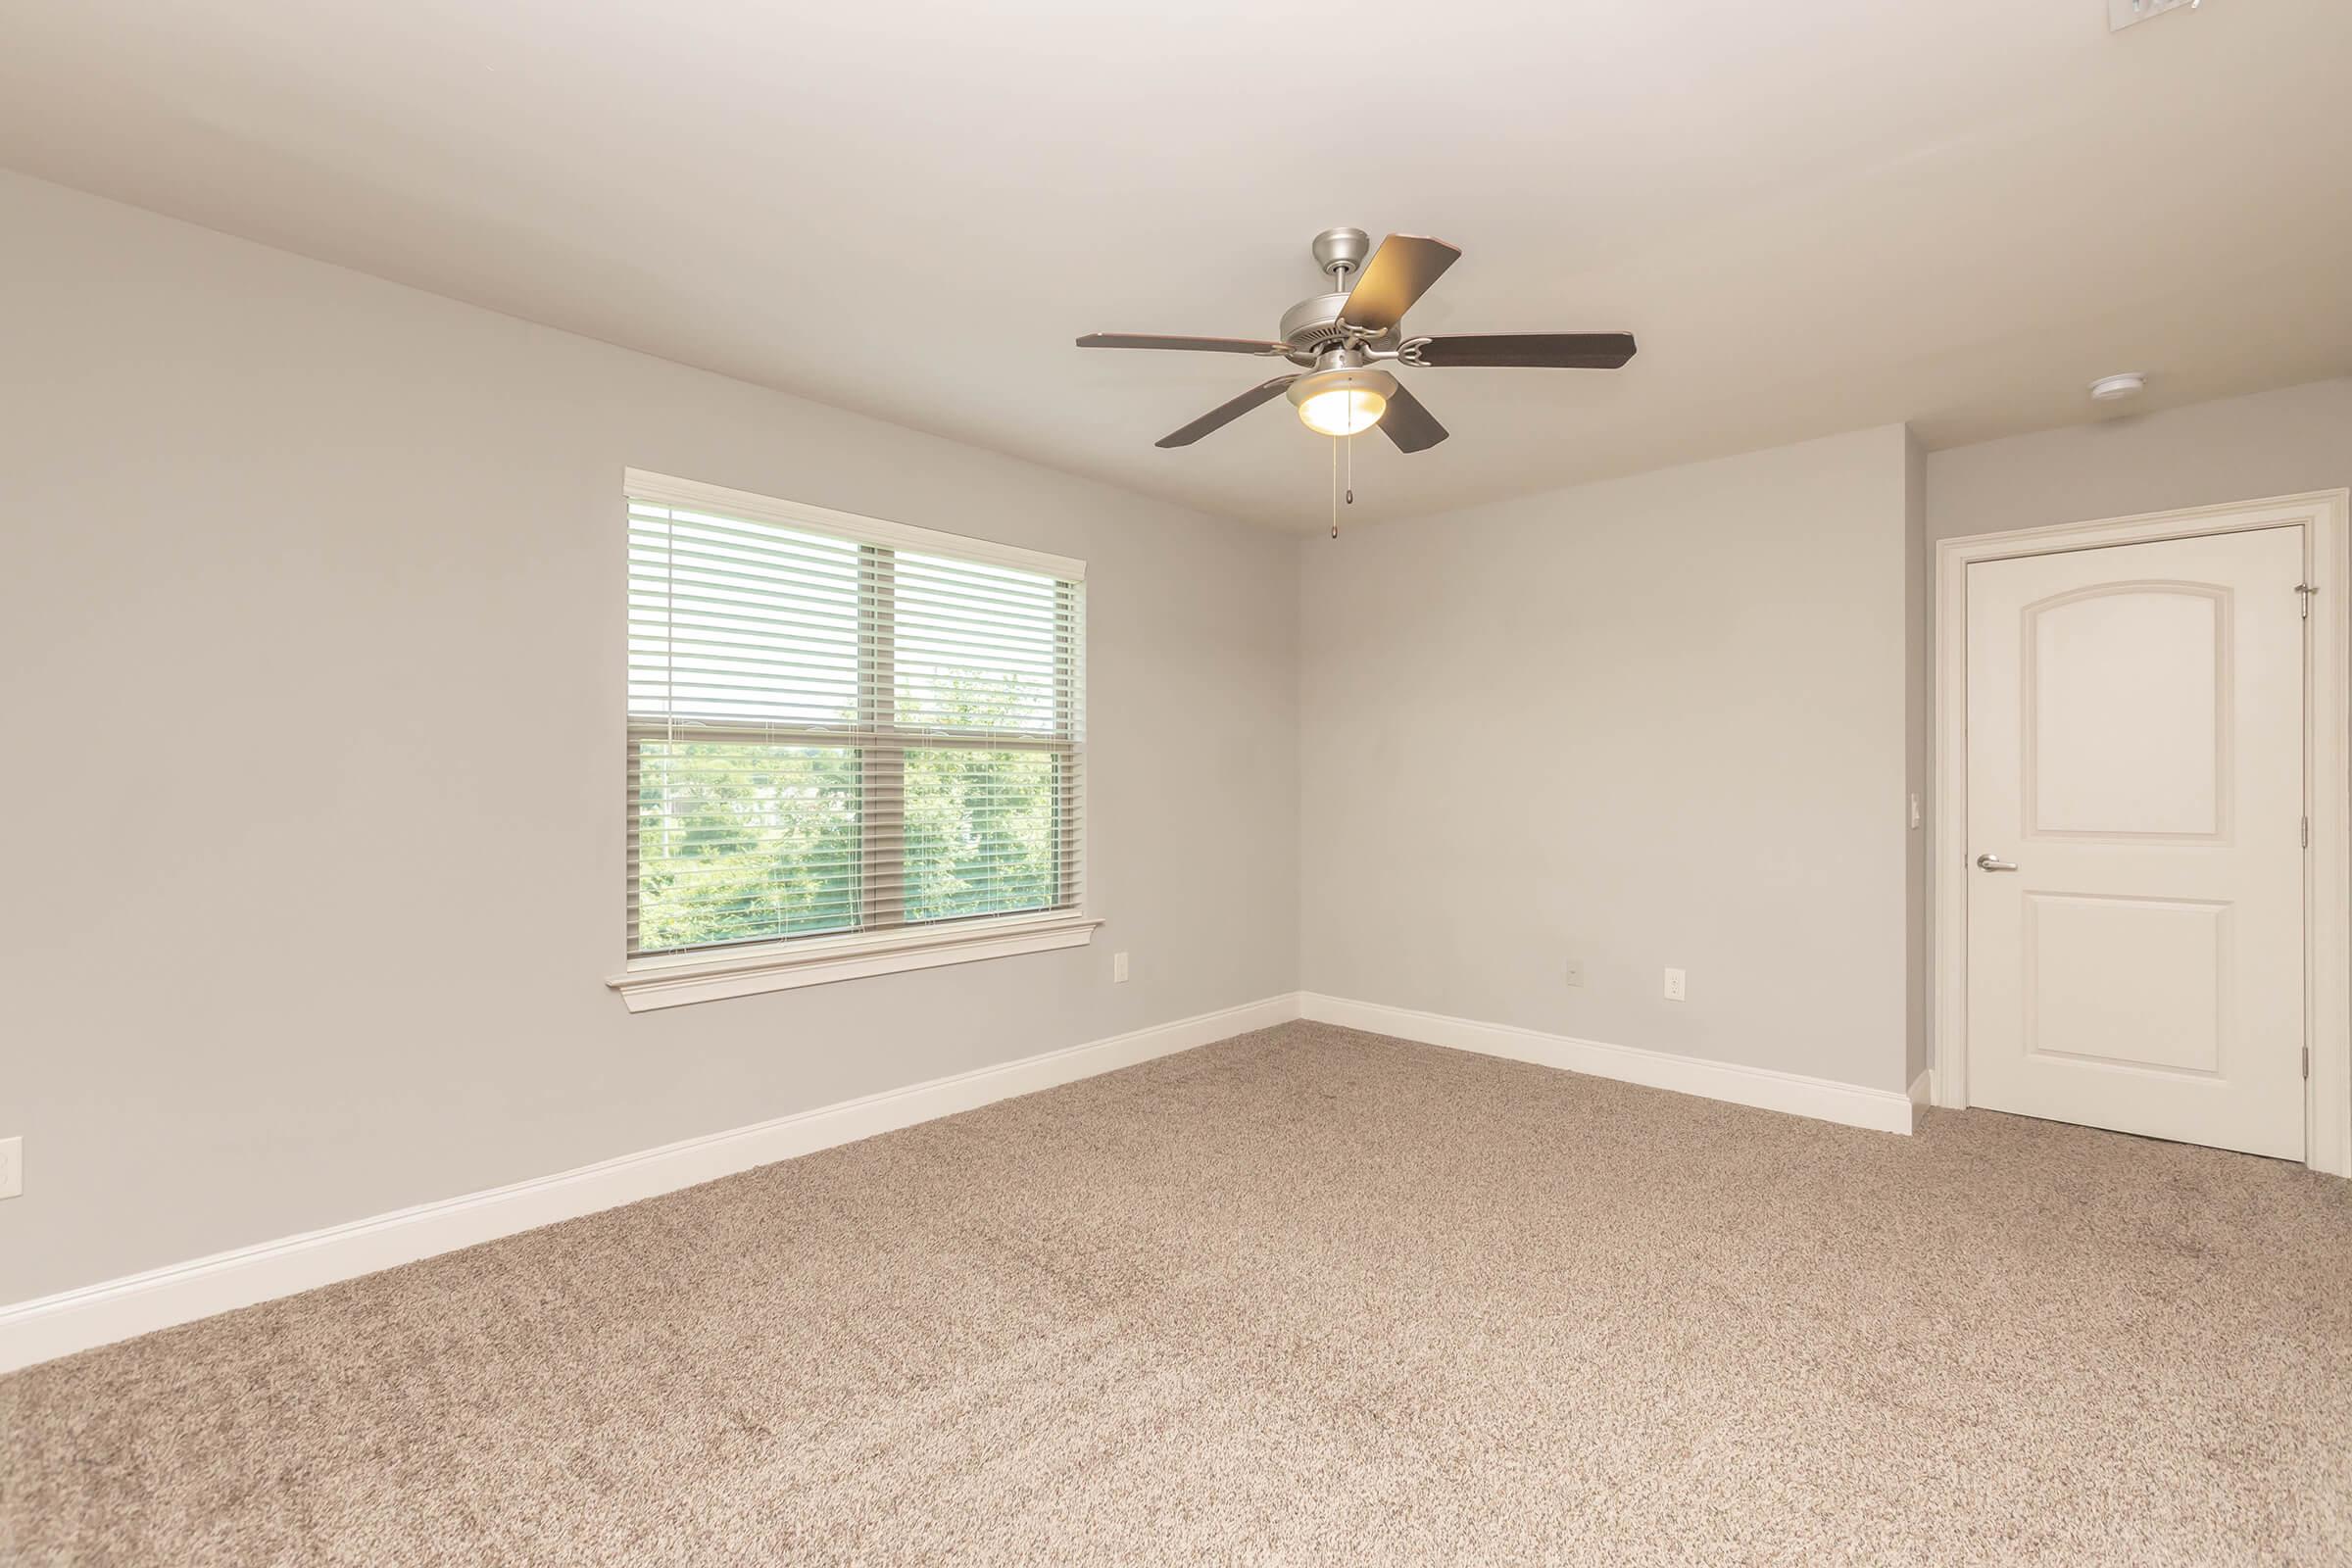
{"points": [[1576, 973], [12, 1168], [2121, 14], [1118, 968], [1673, 986]]}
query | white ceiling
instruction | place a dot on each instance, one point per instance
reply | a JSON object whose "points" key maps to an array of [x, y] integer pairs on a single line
{"points": [[1817, 216]]}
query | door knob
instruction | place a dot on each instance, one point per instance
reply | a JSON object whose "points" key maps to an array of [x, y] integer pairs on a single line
{"points": [[1993, 862]]}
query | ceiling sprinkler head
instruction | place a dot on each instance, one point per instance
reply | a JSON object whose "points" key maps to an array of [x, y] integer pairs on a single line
{"points": [[2113, 388]]}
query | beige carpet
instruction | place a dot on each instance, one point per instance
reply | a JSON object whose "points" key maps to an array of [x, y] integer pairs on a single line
{"points": [[1306, 1296]]}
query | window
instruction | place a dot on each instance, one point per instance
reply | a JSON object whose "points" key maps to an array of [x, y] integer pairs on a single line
{"points": [[846, 738]]}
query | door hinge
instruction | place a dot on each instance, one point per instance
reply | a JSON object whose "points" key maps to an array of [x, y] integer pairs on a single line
{"points": [[2307, 832], [2304, 591], [2306, 1061]]}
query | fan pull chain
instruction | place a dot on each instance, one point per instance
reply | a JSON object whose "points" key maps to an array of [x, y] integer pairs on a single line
{"points": [[1335, 489]]}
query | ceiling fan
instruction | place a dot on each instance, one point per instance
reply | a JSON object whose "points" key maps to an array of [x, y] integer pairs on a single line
{"points": [[1343, 339]]}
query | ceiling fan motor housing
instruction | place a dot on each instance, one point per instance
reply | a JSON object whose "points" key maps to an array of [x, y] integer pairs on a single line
{"points": [[1312, 325]]}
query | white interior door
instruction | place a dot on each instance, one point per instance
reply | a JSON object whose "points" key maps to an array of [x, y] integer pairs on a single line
{"points": [[2136, 838]]}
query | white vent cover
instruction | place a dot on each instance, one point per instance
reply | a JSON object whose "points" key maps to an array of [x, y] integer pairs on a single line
{"points": [[2121, 14]]}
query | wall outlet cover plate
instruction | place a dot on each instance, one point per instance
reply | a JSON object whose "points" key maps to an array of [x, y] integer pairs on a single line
{"points": [[2121, 14]]}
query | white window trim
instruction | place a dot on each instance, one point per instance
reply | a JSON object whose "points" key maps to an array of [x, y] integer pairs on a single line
{"points": [[707, 975], [676, 980], [664, 490]]}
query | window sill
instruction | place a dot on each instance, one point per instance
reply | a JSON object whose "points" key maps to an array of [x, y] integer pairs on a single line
{"points": [[676, 981]]}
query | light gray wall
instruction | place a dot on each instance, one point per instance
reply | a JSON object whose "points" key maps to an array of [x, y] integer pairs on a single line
{"points": [[1649, 722], [2296, 439], [314, 614]]}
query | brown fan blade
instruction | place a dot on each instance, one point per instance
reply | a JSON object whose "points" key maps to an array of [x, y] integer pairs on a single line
{"points": [[1398, 273], [1563, 351], [1208, 345], [1410, 425], [1225, 414]]}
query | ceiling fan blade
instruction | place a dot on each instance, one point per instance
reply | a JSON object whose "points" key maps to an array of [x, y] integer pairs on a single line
{"points": [[1410, 425], [1225, 414], [1564, 351], [1155, 341], [1398, 273]]}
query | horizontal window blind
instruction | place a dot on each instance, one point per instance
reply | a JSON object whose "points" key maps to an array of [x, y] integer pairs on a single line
{"points": [[832, 734]]}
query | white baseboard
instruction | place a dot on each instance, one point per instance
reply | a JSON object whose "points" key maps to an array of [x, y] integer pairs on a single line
{"points": [[139, 1304], [1885, 1111]]}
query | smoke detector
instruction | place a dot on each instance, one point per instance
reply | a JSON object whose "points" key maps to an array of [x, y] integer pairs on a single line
{"points": [[2121, 14], [2114, 388]]}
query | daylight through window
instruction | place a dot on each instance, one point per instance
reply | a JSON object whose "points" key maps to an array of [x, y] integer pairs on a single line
{"points": [[834, 734]]}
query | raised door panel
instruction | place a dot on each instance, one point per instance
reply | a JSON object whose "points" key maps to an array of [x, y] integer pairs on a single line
{"points": [[2128, 712], [2133, 983]]}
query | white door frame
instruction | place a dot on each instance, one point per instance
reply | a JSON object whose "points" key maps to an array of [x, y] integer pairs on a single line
{"points": [[2326, 519]]}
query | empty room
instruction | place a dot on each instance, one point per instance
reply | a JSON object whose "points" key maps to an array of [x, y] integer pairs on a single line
{"points": [[1228, 784]]}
